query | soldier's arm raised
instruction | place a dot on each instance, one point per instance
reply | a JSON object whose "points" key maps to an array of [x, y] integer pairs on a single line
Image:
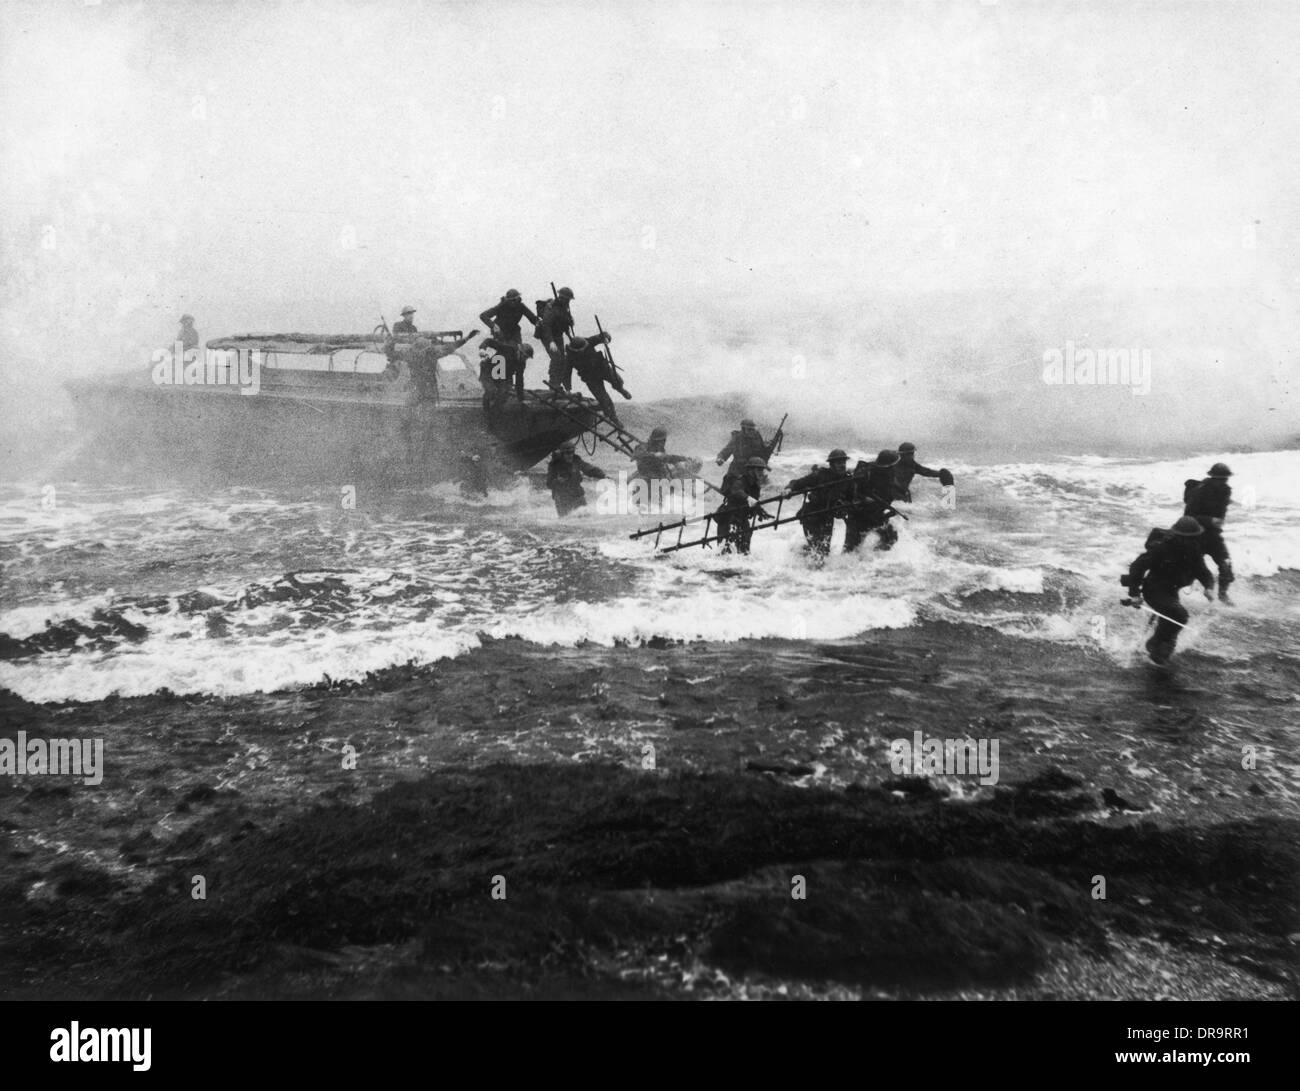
{"points": [[439, 351]]}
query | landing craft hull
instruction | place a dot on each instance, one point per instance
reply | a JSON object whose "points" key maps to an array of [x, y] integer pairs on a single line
{"points": [[300, 429]]}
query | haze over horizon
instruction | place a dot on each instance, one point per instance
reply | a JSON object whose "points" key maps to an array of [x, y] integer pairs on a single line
{"points": [[885, 212]]}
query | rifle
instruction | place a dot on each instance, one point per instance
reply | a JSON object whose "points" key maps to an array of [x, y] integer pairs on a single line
{"points": [[778, 437], [615, 381], [887, 508], [842, 508], [609, 353], [1138, 604]]}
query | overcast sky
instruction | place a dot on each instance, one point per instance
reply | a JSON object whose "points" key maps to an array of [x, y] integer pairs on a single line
{"points": [[812, 173]]}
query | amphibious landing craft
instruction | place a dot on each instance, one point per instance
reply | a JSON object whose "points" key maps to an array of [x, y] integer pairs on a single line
{"points": [[392, 409]]}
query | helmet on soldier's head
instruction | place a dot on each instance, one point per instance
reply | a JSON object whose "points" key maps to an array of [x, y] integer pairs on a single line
{"points": [[906, 448], [887, 458], [1219, 470], [755, 463], [747, 423], [407, 310], [578, 344], [1187, 527], [565, 293], [659, 432], [838, 455], [513, 294]]}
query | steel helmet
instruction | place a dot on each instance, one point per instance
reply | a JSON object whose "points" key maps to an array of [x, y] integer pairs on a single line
{"points": [[887, 458], [565, 293], [747, 423], [578, 344], [659, 431], [1219, 469], [1187, 527], [838, 455], [408, 310], [755, 463], [906, 448], [513, 294]]}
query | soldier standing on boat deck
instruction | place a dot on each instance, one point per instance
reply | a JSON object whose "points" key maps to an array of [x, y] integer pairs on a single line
{"points": [[187, 335], [405, 325], [515, 365], [492, 369], [503, 319], [422, 356], [501, 364], [553, 326]]}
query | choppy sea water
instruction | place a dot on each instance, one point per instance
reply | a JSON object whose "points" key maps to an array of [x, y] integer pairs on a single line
{"points": [[126, 591]]}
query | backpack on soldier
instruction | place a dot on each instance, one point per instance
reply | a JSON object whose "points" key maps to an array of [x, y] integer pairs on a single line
{"points": [[1158, 536], [1190, 488]]}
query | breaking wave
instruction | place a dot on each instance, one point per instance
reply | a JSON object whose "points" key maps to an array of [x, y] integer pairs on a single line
{"points": [[124, 592]]}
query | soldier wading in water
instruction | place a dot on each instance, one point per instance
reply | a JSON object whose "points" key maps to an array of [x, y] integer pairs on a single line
{"points": [[564, 477], [828, 487], [735, 518], [1207, 502], [1171, 561], [909, 468], [745, 444], [870, 507]]}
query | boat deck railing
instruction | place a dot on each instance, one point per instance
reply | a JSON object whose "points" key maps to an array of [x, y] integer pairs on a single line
{"points": [[327, 346]]}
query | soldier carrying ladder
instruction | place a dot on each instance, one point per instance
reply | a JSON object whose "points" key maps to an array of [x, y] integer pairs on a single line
{"points": [[715, 531]]}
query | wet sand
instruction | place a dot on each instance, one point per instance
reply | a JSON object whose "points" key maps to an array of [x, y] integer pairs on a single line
{"points": [[770, 762]]}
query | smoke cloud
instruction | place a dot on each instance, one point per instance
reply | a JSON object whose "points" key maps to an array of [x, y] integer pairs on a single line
{"points": [[881, 217]]}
